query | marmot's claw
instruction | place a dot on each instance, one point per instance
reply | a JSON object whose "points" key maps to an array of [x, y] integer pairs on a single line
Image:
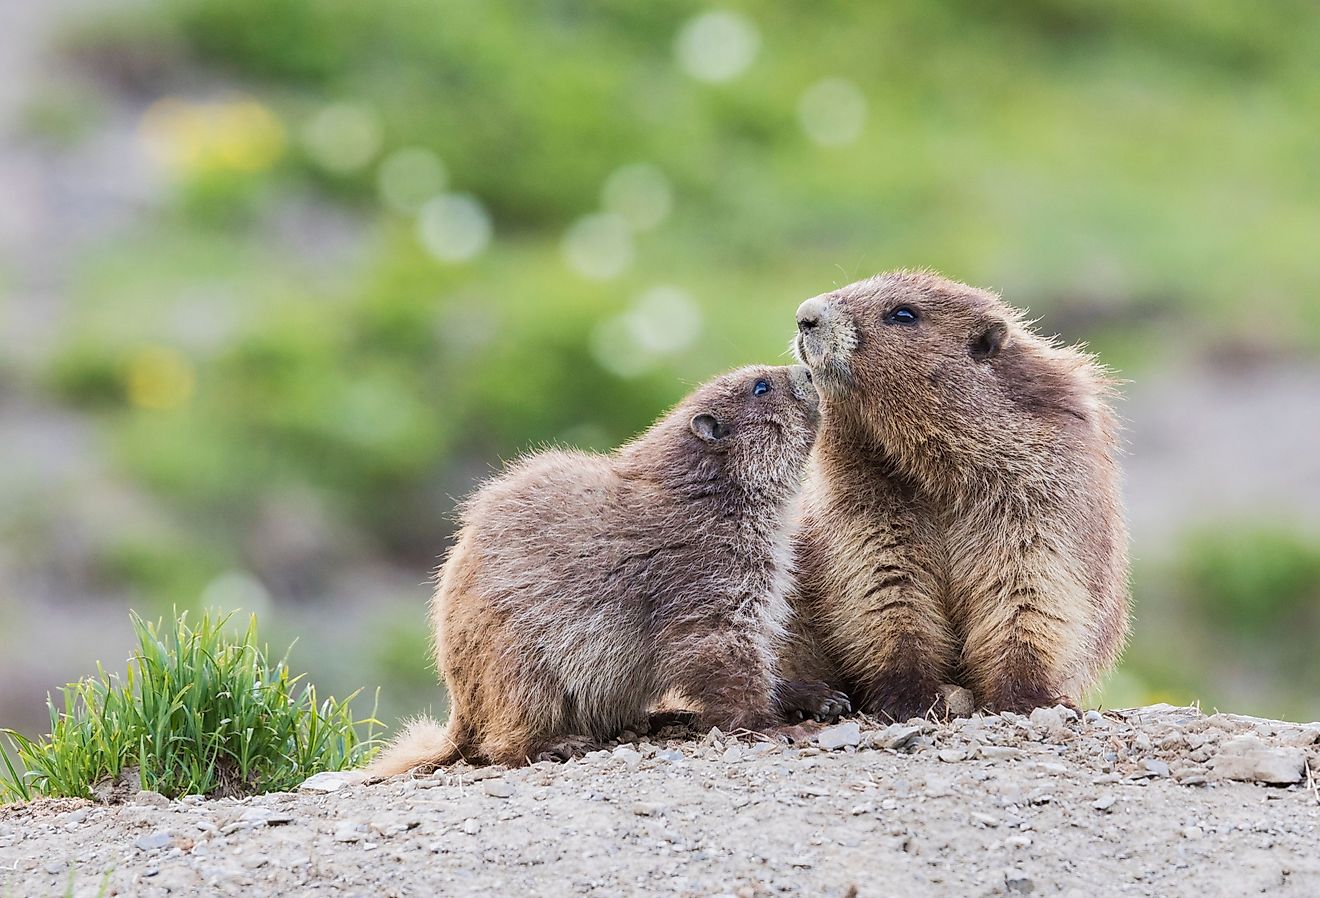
{"points": [[835, 705], [803, 699]]}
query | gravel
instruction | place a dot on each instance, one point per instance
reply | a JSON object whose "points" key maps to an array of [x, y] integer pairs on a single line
{"points": [[991, 805]]}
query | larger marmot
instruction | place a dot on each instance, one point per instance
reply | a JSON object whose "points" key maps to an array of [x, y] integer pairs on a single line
{"points": [[584, 588], [962, 519]]}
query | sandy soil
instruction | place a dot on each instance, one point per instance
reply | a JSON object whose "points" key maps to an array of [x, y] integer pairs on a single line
{"points": [[1129, 803]]}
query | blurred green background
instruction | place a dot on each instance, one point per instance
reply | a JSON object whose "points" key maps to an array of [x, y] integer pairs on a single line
{"points": [[279, 279]]}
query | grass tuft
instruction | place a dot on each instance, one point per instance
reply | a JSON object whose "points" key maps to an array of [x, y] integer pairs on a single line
{"points": [[202, 711]]}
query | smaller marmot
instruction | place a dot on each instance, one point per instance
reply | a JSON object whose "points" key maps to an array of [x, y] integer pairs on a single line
{"points": [[584, 588], [962, 517]]}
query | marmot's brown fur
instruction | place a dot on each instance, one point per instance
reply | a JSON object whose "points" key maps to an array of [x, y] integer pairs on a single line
{"points": [[583, 588], [962, 517]]}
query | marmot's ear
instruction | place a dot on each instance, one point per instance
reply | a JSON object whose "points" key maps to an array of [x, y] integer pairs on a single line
{"points": [[987, 342], [708, 427]]}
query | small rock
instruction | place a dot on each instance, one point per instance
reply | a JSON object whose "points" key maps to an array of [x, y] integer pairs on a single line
{"points": [[1104, 803], [898, 736], [1048, 720], [1303, 736], [1192, 833], [349, 831], [951, 755], [731, 754], [1156, 767], [629, 756], [332, 781], [998, 752], [669, 754], [841, 735], [599, 756], [1247, 758], [1018, 883], [1191, 775], [958, 702], [153, 841], [1095, 718], [471, 826], [1018, 842], [151, 799], [498, 788], [984, 820], [648, 809]]}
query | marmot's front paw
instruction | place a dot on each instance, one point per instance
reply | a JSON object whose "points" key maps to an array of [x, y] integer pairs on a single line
{"points": [[803, 699]]}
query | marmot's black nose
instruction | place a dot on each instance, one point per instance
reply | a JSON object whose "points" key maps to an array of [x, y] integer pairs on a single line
{"points": [[809, 314]]}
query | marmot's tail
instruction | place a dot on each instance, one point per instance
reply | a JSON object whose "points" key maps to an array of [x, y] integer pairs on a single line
{"points": [[424, 744]]}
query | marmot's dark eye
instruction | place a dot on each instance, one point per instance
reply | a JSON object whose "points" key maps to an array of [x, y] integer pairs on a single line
{"points": [[901, 315], [762, 387]]}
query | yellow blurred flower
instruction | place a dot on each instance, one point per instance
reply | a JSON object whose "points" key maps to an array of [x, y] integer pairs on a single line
{"points": [[159, 378], [239, 135]]}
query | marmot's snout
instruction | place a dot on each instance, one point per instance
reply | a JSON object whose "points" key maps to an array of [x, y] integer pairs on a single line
{"points": [[824, 339], [799, 378]]}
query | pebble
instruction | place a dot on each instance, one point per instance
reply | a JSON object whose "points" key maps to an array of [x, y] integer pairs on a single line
{"points": [[332, 781], [471, 826], [498, 788], [898, 736], [1156, 767], [669, 754], [1247, 758], [951, 755], [1049, 720], [1095, 718], [1103, 803], [999, 752], [629, 756], [349, 831], [958, 702], [731, 754], [648, 809], [1018, 883], [1018, 842], [984, 819], [153, 841], [841, 735]]}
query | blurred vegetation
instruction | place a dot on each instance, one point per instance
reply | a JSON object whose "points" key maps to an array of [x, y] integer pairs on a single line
{"points": [[1229, 620], [403, 240], [202, 712]]}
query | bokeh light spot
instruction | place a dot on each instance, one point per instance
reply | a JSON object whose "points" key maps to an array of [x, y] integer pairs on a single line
{"points": [[662, 321], [599, 246], [343, 137], [717, 45], [236, 590], [409, 177], [832, 112], [159, 378], [640, 194], [454, 227], [665, 320]]}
